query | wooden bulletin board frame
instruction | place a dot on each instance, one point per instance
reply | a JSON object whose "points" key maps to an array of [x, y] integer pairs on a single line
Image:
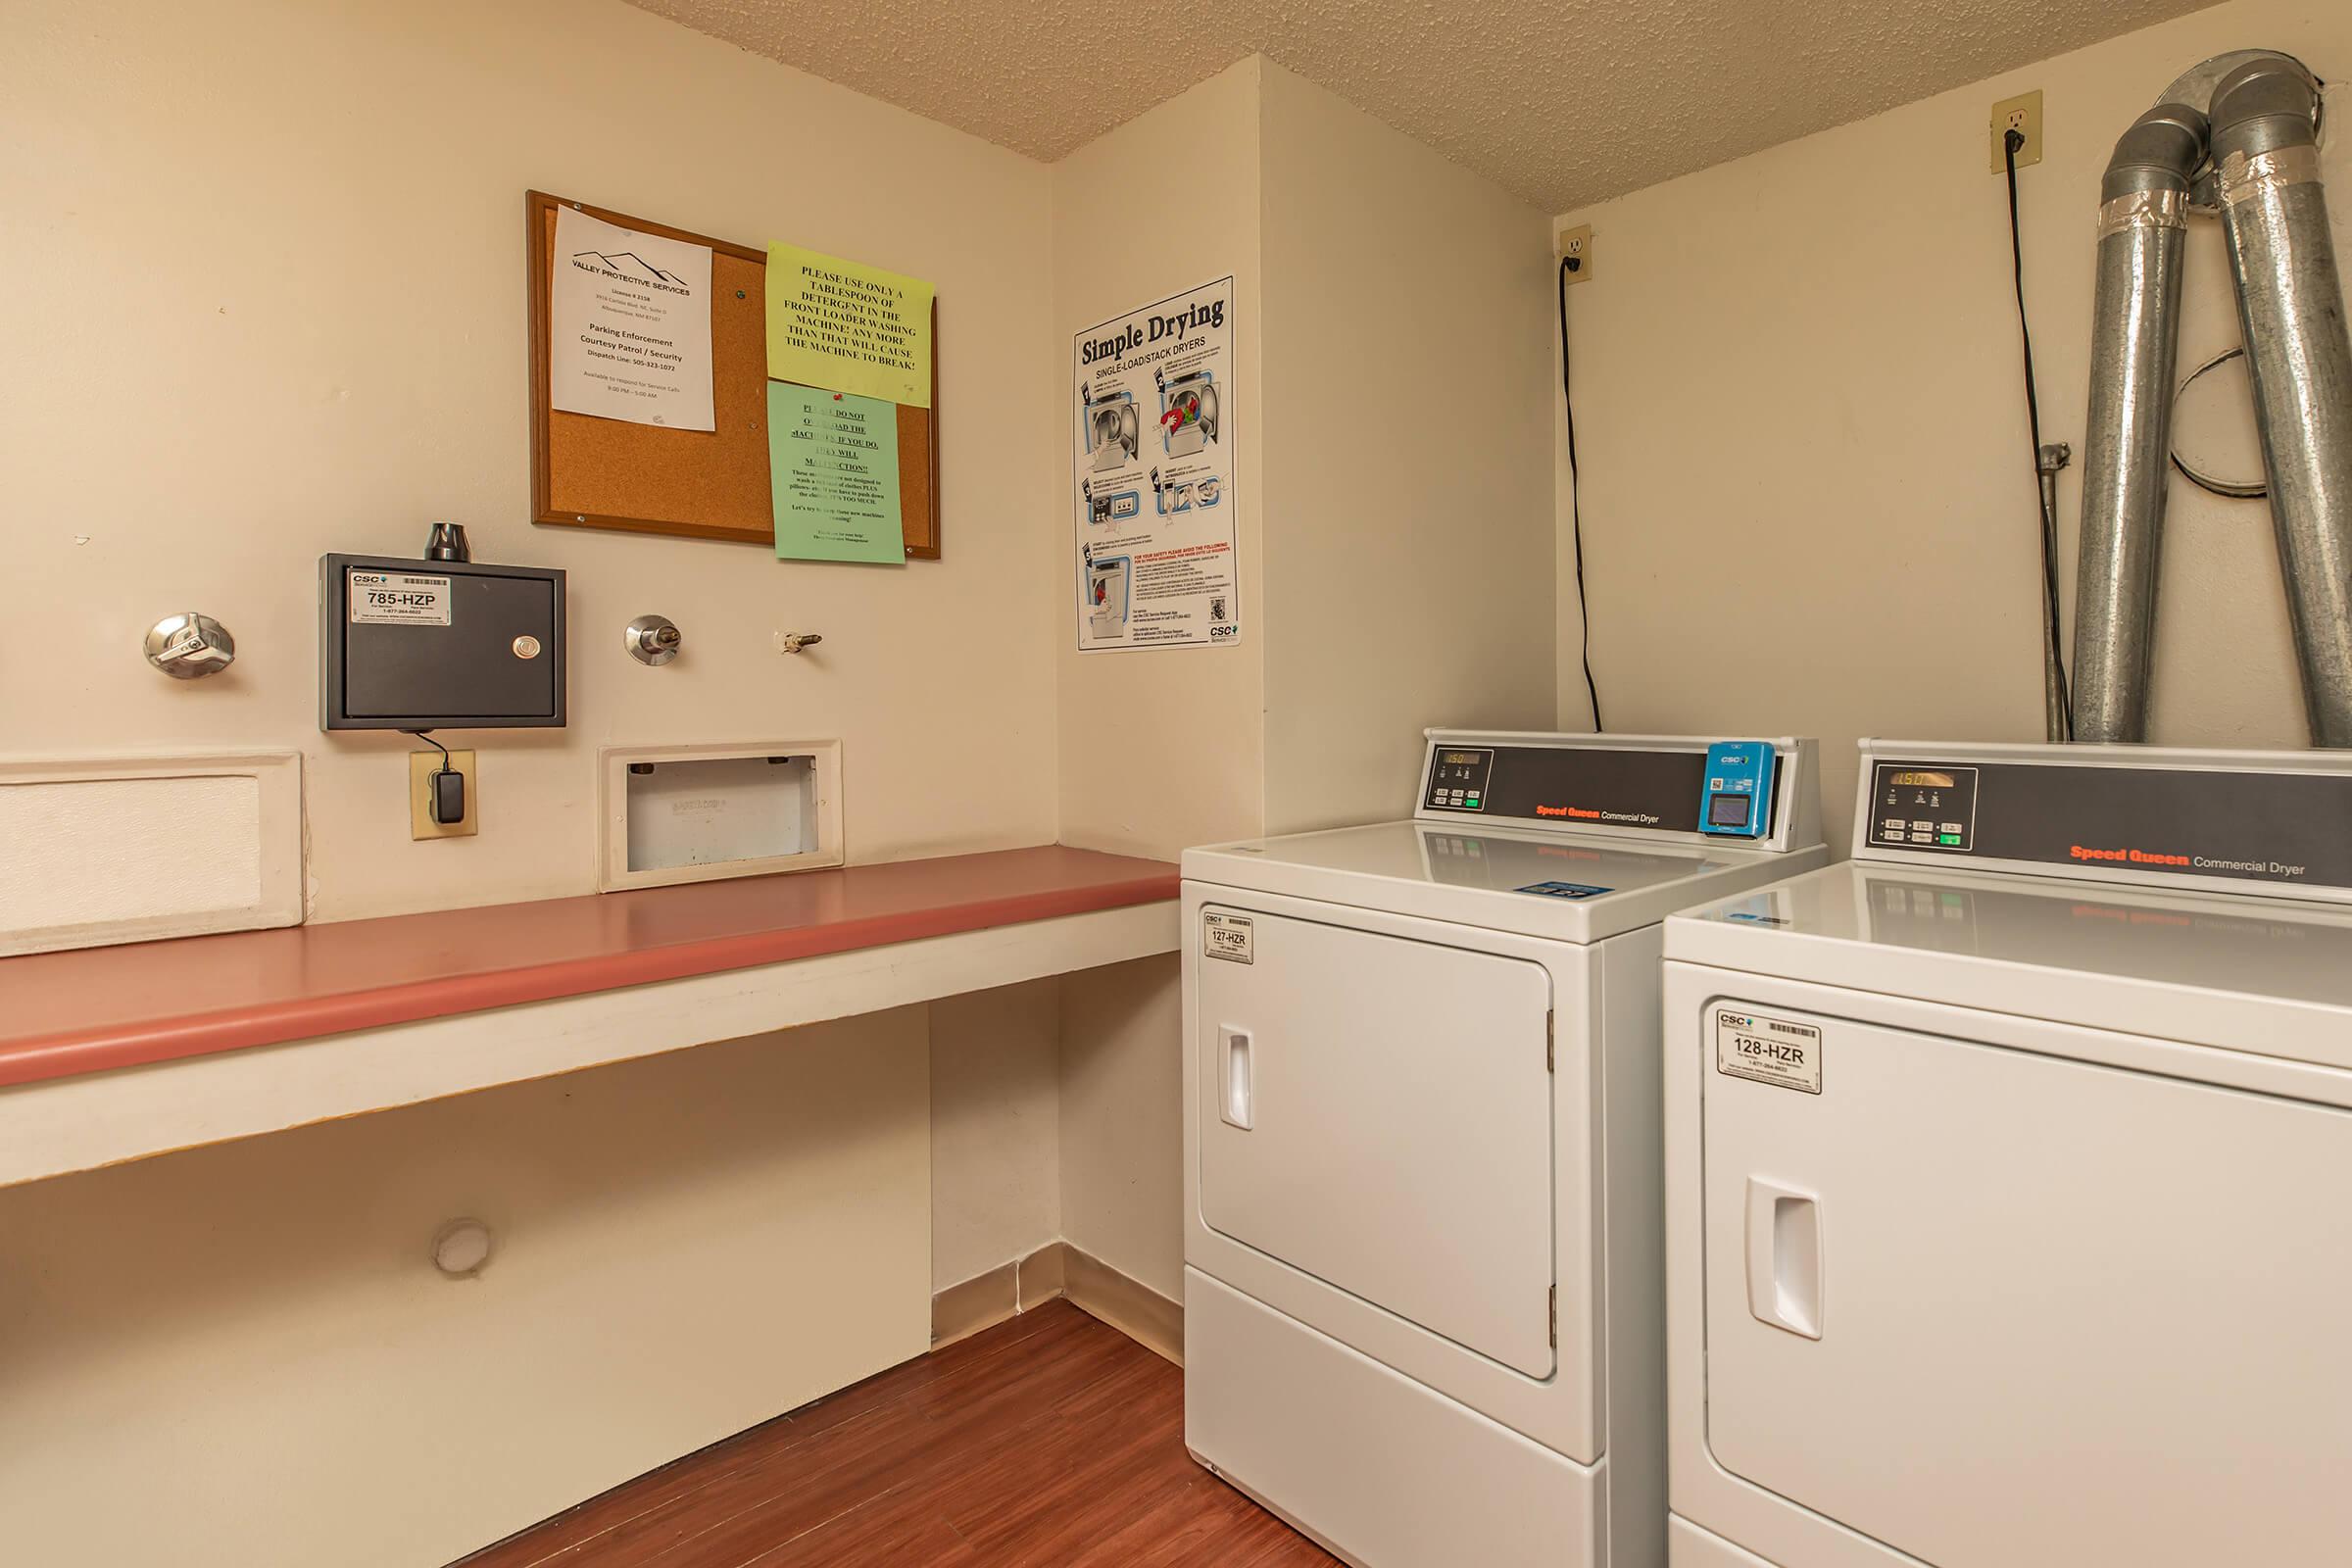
{"points": [[589, 472]]}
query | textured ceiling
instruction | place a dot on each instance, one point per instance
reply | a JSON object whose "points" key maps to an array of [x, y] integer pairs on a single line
{"points": [[1562, 101]]}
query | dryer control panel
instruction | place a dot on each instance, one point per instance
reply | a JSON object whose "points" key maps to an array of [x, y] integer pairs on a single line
{"points": [[1933, 808], [1692, 788], [1459, 777], [2226, 820]]}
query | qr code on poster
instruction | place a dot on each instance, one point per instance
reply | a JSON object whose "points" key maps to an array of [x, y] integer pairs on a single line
{"points": [[1216, 609]]}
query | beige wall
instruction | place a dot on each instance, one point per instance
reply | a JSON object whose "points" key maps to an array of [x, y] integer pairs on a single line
{"points": [[1161, 749], [267, 275], [1408, 386], [244, 1355], [995, 1127], [267, 278], [1122, 1119], [1165, 748], [1800, 415], [1396, 574]]}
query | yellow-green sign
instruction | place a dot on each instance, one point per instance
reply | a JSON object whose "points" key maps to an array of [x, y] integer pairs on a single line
{"points": [[847, 327]]}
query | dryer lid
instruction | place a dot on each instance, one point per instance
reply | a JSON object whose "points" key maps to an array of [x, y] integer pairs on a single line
{"points": [[2257, 975], [1572, 887], [1575, 838]]}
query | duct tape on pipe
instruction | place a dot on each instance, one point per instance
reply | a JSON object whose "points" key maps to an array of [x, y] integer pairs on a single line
{"points": [[2144, 209], [2244, 178]]}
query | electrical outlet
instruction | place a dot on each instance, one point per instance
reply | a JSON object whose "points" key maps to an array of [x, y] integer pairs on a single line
{"points": [[2022, 114], [422, 765], [1575, 247]]}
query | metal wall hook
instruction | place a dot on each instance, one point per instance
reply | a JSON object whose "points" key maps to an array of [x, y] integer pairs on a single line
{"points": [[189, 645]]}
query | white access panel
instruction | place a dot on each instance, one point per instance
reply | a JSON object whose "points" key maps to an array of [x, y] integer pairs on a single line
{"points": [[1376, 1112], [102, 850], [2120, 1296]]}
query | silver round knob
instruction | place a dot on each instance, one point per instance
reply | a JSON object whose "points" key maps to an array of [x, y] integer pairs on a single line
{"points": [[654, 639]]}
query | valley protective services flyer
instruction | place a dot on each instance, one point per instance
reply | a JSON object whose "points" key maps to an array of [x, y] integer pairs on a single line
{"points": [[628, 325], [1155, 544]]}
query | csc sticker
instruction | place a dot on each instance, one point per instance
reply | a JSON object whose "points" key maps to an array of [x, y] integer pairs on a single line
{"points": [[1231, 937], [1767, 1051]]}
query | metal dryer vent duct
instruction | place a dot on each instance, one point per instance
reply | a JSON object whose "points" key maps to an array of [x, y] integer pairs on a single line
{"points": [[2238, 134]]}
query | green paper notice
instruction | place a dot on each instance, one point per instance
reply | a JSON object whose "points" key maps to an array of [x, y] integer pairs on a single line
{"points": [[833, 466]]}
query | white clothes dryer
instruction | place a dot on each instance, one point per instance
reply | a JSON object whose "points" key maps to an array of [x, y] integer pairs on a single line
{"points": [[2007, 1173], [1423, 1283]]}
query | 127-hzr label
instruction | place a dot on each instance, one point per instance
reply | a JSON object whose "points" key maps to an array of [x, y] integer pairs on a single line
{"points": [[1778, 1052]]}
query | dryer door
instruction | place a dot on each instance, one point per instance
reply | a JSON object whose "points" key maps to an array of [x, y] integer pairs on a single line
{"points": [[1998, 1309], [1376, 1111]]}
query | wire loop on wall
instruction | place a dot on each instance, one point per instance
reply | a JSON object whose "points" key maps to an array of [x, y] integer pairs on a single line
{"points": [[2234, 489]]}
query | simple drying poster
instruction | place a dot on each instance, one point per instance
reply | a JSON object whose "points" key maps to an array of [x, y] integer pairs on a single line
{"points": [[628, 325], [1157, 567]]}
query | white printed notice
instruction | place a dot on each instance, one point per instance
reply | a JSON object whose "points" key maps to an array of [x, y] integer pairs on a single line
{"points": [[628, 325], [1154, 554]]}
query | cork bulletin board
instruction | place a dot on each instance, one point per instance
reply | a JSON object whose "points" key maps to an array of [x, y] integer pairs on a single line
{"points": [[588, 473]]}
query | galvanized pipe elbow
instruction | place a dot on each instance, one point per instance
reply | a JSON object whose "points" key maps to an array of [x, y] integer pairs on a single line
{"points": [[2160, 151], [2143, 221], [2270, 101], [2290, 306], [2255, 113]]}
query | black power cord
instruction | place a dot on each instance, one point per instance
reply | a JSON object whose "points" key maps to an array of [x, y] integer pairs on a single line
{"points": [[1575, 516], [2011, 141]]}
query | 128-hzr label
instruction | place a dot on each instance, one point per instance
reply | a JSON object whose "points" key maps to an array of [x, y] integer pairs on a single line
{"points": [[1778, 1052]]}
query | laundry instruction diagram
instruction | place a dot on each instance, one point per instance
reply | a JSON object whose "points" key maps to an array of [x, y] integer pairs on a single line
{"points": [[1157, 563]]}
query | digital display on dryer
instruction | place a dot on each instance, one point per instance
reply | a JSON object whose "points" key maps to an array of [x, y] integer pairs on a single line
{"points": [[1917, 808], [1458, 779]]}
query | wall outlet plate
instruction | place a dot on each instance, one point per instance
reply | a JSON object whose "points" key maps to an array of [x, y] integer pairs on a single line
{"points": [[1575, 245], [422, 765], [2024, 113]]}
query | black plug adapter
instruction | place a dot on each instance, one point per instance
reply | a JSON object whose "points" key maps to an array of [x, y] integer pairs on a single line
{"points": [[446, 797]]}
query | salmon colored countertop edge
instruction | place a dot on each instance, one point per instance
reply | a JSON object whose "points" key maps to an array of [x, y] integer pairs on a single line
{"points": [[95, 1009]]}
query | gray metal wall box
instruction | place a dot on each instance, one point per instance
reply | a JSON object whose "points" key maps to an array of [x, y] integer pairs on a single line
{"points": [[439, 645]]}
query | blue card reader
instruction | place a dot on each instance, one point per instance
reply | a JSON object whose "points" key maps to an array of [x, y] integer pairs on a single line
{"points": [[1739, 789]]}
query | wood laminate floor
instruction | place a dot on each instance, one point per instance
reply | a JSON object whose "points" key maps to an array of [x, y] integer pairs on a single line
{"points": [[1048, 1442]]}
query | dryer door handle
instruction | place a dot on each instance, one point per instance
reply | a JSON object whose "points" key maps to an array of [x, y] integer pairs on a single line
{"points": [[1784, 1257], [1236, 1107]]}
